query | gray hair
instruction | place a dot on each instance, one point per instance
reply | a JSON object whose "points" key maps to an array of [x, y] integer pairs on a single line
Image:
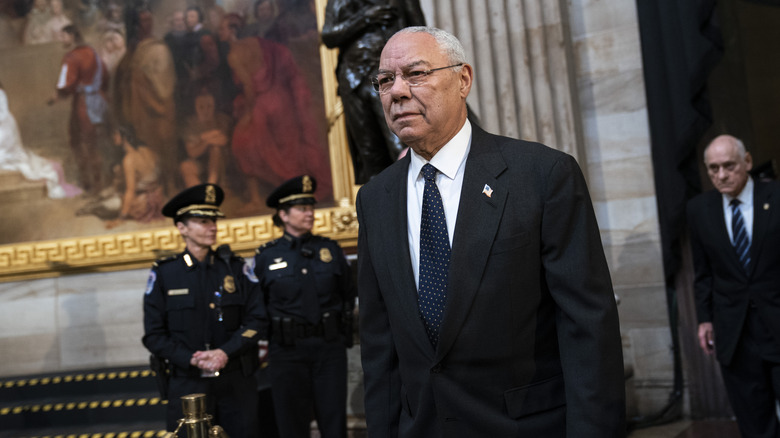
{"points": [[447, 42], [741, 151]]}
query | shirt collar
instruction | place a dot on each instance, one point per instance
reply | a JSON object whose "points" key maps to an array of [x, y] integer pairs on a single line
{"points": [[745, 196], [449, 158], [294, 242]]}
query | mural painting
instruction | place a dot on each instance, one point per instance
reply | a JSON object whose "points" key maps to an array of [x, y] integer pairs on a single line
{"points": [[108, 107]]}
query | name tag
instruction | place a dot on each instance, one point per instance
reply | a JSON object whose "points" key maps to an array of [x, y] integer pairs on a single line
{"points": [[276, 266], [178, 291]]}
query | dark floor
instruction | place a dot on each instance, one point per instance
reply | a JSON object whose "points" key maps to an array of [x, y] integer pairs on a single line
{"points": [[690, 429]]}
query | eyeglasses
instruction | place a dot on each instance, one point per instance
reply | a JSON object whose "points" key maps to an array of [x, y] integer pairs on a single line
{"points": [[383, 82]]}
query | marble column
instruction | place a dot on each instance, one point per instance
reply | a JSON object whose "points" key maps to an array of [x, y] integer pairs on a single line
{"points": [[523, 72]]}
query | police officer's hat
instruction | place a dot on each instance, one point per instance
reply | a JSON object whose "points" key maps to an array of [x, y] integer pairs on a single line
{"points": [[299, 190], [199, 201]]}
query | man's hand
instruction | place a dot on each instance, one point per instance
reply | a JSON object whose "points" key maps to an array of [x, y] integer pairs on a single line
{"points": [[706, 337]]}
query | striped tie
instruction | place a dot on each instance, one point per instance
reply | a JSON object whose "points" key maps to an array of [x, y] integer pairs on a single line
{"points": [[741, 240], [434, 256]]}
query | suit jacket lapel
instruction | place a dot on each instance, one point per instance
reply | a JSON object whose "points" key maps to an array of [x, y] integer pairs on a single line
{"points": [[720, 233], [398, 257], [761, 213], [479, 215]]}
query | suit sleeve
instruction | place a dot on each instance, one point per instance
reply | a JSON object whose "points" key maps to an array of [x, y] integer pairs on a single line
{"points": [[346, 282], [380, 362], [577, 276], [702, 280]]}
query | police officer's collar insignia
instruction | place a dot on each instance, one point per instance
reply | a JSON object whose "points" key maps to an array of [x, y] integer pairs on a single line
{"points": [[325, 255], [211, 194], [229, 284], [188, 260]]}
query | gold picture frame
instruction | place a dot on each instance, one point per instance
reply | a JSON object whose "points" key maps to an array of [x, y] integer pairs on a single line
{"points": [[137, 249]]}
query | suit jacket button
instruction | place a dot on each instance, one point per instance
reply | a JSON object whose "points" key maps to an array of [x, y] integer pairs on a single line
{"points": [[436, 369]]}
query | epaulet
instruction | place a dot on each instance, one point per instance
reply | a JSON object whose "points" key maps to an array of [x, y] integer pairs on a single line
{"points": [[266, 245], [318, 238], [160, 261]]}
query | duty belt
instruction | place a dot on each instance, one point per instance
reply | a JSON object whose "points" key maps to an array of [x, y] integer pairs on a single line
{"points": [[308, 330]]}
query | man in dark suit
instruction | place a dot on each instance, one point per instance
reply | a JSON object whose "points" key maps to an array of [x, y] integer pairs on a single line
{"points": [[486, 307], [735, 236]]}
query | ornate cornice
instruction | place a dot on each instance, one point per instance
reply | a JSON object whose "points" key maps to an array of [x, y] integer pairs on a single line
{"points": [[139, 249]]}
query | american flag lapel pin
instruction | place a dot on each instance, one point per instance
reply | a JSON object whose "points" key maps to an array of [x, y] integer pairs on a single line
{"points": [[487, 191]]}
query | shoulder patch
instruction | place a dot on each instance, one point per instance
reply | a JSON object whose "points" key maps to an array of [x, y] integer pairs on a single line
{"points": [[150, 282], [249, 270]]}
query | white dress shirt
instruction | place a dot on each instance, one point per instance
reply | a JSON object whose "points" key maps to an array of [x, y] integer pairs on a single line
{"points": [[450, 160], [745, 207]]}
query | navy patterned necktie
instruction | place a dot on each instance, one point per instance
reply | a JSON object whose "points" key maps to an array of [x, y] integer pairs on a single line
{"points": [[741, 240], [434, 257]]}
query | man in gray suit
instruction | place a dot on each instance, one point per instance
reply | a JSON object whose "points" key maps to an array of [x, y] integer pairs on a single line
{"points": [[486, 306]]}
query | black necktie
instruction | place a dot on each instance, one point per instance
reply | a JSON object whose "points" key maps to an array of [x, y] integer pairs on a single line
{"points": [[741, 240], [434, 256]]}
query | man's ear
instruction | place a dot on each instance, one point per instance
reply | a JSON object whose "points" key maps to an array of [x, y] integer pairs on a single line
{"points": [[466, 79]]}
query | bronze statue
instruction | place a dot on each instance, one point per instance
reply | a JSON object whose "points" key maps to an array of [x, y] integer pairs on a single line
{"points": [[359, 29]]}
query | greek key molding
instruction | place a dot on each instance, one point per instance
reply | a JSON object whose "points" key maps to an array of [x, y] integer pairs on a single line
{"points": [[138, 249]]}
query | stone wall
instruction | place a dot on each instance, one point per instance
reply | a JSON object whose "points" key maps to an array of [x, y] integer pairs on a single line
{"points": [[90, 321]]}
